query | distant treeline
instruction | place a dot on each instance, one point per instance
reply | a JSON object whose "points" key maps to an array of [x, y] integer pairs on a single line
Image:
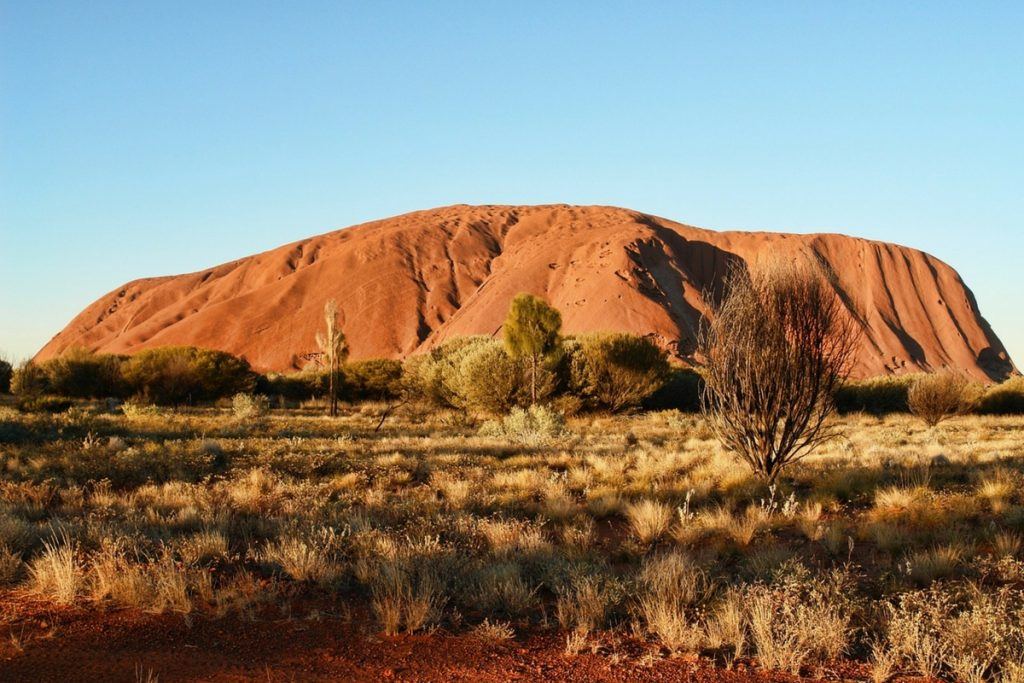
{"points": [[606, 372], [614, 371]]}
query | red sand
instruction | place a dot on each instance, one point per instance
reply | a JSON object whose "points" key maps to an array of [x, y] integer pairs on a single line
{"points": [[40, 642], [406, 283]]}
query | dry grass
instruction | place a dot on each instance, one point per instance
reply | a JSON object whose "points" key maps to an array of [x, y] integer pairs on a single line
{"points": [[649, 520], [641, 525], [57, 572]]}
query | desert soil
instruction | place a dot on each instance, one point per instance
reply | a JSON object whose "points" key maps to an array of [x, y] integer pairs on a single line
{"points": [[42, 642]]}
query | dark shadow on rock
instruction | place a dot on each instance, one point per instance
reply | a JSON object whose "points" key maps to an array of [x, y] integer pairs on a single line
{"points": [[911, 345], [669, 264]]}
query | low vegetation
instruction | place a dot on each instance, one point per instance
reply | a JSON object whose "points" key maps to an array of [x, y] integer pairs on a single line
{"points": [[495, 488], [896, 545]]}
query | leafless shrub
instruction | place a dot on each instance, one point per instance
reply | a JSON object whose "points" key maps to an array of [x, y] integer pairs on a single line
{"points": [[939, 396], [494, 630], [777, 348]]}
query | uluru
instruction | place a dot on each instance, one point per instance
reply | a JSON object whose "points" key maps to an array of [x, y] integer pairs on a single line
{"points": [[407, 283]]}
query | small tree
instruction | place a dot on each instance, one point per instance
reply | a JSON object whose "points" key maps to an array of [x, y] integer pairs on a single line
{"points": [[777, 348], [941, 395], [334, 348], [531, 333]]}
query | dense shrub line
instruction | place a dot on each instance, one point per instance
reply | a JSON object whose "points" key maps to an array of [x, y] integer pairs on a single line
{"points": [[886, 395], [601, 371], [611, 372]]}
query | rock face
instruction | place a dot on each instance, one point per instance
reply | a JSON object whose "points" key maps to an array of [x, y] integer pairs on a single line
{"points": [[407, 283]]}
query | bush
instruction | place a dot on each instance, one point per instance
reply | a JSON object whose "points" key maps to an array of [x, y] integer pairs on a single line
{"points": [[1003, 399], [489, 379], [172, 375], [138, 409], [29, 380], [616, 370], [433, 376], [6, 371], [455, 374], [81, 373], [535, 425], [878, 395], [249, 406], [373, 379], [935, 397], [776, 350]]}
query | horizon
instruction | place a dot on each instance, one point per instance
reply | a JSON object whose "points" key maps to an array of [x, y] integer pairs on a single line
{"points": [[144, 141]]}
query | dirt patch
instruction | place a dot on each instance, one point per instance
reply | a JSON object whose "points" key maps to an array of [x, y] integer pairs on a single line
{"points": [[45, 643]]}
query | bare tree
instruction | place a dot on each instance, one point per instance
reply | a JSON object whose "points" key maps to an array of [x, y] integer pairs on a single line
{"points": [[937, 396], [334, 350], [776, 348]]}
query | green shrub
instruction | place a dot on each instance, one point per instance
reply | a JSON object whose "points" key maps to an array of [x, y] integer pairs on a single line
{"points": [[172, 375], [877, 395], [81, 373], [489, 379], [29, 380], [531, 426], [478, 373], [616, 370], [434, 376], [373, 379], [6, 371], [1003, 399]]}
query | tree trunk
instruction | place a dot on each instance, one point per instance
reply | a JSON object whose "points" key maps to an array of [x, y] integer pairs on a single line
{"points": [[533, 380], [334, 394]]}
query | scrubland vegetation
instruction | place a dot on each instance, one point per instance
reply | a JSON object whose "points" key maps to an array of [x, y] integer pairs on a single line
{"points": [[503, 488], [896, 544]]}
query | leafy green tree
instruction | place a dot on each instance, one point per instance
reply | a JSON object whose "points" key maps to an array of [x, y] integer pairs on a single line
{"points": [[532, 334]]}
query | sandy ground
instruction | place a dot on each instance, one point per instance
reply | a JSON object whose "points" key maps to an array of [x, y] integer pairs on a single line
{"points": [[46, 643]]}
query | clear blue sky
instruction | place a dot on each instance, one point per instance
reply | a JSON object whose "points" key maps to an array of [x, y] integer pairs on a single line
{"points": [[145, 138]]}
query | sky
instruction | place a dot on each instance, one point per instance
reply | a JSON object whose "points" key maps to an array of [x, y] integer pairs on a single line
{"points": [[150, 138]]}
